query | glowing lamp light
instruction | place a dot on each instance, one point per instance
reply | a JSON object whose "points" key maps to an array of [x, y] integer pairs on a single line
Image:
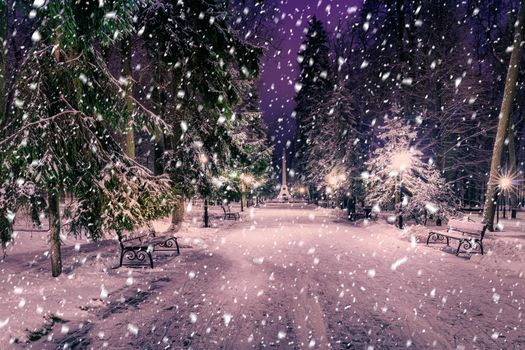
{"points": [[505, 182], [203, 159], [335, 178], [247, 179], [401, 161]]}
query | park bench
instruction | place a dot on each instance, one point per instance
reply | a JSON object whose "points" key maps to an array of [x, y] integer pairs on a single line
{"points": [[364, 213], [230, 215], [469, 235], [137, 249]]}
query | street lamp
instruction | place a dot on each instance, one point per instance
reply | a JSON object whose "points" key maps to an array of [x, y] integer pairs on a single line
{"points": [[505, 185], [246, 180], [335, 179], [400, 162]]}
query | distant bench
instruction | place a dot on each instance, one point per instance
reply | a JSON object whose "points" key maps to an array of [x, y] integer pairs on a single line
{"points": [[230, 215], [365, 213], [136, 249], [469, 235]]}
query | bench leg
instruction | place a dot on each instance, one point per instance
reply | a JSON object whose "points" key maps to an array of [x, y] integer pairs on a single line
{"points": [[480, 246], [150, 259], [459, 247], [121, 257], [437, 237]]}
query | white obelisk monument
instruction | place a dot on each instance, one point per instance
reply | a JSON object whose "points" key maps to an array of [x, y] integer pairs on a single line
{"points": [[284, 195]]}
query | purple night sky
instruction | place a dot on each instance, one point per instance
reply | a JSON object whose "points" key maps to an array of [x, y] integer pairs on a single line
{"points": [[280, 67]]}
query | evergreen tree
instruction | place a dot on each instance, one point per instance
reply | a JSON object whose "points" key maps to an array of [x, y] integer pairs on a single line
{"points": [[60, 136], [3, 58], [194, 45], [250, 137], [312, 88], [398, 176], [334, 150]]}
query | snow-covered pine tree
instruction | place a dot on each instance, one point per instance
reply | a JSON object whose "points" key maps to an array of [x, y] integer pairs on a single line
{"points": [[60, 134], [311, 89], [397, 176], [250, 138], [334, 148]]}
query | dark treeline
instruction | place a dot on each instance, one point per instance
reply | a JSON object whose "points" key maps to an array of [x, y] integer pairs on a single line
{"points": [[440, 66]]}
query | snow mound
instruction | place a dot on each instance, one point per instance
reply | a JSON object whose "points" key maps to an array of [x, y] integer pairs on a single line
{"points": [[508, 254], [420, 232]]}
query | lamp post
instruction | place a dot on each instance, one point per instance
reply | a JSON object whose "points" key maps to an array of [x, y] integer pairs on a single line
{"points": [[400, 162], [505, 185], [335, 179], [246, 180]]}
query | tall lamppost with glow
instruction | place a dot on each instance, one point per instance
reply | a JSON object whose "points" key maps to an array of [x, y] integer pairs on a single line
{"points": [[334, 180], [505, 185], [246, 180], [400, 162], [302, 192]]}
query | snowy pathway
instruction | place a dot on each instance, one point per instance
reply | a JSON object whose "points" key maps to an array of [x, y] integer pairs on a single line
{"points": [[299, 279]]}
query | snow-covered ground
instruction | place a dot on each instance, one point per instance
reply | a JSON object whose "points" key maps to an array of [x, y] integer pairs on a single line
{"points": [[283, 277]]}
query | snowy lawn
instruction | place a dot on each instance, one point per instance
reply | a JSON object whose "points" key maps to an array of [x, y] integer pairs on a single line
{"points": [[283, 277]]}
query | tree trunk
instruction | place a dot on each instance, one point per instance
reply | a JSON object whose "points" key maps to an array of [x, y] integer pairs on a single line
{"points": [[243, 196], [178, 215], [161, 142], [506, 107], [129, 133], [3, 58], [158, 152], [54, 233], [206, 216]]}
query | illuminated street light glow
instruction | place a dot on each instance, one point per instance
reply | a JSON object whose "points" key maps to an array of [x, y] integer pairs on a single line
{"points": [[401, 161], [203, 159], [247, 179], [335, 178], [506, 181]]}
